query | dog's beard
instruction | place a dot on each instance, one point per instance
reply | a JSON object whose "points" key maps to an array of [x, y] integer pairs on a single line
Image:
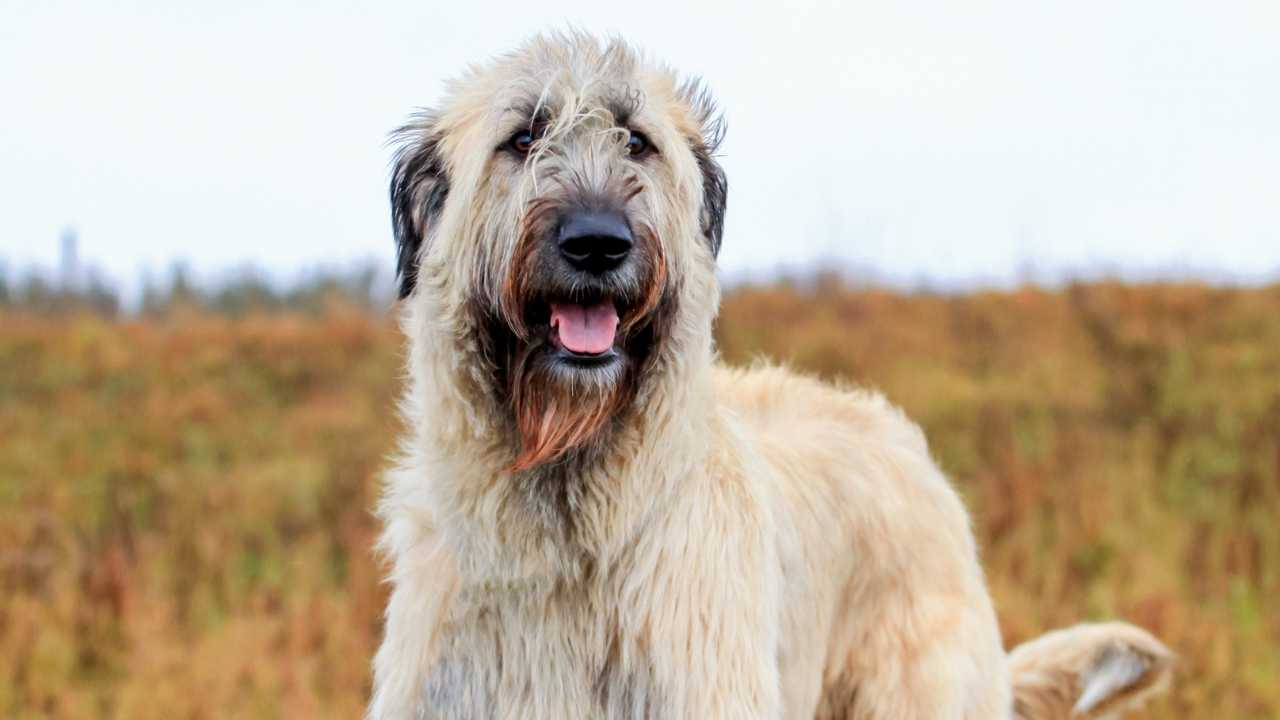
{"points": [[559, 409]]}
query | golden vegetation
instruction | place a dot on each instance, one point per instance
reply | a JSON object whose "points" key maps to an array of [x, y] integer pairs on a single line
{"points": [[184, 501]]}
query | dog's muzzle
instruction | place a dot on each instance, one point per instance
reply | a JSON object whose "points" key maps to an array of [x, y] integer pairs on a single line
{"points": [[595, 242], [593, 245]]}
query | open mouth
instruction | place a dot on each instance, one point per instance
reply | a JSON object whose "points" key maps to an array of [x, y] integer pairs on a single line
{"points": [[584, 334]]}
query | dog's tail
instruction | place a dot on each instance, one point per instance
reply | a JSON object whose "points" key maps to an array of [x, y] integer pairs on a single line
{"points": [[1098, 671]]}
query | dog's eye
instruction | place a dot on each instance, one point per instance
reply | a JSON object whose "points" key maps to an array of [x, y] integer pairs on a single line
{"points": [[638, 145], [521, 142]]}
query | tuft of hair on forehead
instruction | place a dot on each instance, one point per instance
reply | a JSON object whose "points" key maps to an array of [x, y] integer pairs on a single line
{"points": [[559, 79], [582, 56]]}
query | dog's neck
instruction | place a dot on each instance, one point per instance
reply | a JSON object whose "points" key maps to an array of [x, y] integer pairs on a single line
{"points": [[562, 519]]}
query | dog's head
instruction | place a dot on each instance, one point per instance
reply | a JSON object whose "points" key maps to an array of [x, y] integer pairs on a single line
{"points": [[559, 213]]}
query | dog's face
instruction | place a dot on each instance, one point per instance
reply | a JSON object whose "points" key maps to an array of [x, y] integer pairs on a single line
{"points": [[554, 208]]}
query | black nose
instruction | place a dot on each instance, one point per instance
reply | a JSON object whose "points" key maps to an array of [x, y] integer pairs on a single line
{"points": [[595, 241]]}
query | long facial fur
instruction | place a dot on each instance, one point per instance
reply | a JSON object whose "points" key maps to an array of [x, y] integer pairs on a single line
{"points": [[468, 222]]}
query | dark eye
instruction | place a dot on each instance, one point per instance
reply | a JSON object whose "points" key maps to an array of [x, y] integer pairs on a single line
{"points": [[521, 142], [638, 145]]}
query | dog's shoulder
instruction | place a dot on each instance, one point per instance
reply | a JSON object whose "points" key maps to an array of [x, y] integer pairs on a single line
{"points": [[774, 398], [846, 447]]}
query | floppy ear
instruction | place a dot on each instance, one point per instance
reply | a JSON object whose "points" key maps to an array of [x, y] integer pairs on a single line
{"points": [[715, 195], [715, 186], [419, 187]]}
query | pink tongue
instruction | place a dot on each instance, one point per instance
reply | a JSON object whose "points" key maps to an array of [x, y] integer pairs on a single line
{"points": [[586, 329]]}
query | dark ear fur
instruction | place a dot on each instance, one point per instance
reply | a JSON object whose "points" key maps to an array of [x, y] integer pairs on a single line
{"points": [[715, 186], [419, 187], [715, 196]]}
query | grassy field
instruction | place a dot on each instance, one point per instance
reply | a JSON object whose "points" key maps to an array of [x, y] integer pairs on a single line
{"points": [[184, 501]]}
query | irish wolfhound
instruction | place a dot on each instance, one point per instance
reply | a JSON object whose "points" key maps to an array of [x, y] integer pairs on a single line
{"points": [[591, 517]]}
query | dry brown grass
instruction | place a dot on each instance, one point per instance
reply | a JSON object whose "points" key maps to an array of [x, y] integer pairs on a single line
{"points": [[184, 503]]}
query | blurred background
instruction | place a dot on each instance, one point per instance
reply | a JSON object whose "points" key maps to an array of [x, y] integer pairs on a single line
{"points": [[1050, 233]]}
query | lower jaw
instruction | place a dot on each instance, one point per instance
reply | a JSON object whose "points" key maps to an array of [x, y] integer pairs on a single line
{"points": [[585, 360]]}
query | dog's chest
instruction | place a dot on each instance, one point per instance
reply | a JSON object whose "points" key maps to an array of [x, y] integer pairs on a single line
{"points": [[515, 654]]}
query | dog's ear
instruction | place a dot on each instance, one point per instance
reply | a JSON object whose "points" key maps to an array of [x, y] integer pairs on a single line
{"points": [[419, 186], [715, 186], [715, 195]]}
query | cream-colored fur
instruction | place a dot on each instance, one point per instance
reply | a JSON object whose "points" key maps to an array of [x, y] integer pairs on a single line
{"points": [[1099, 671], [752, 544]]}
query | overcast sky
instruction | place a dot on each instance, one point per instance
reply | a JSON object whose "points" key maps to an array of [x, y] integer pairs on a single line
{"points": [[957, 142]]}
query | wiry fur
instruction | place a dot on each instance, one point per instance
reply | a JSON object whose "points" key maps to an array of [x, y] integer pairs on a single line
{"points": [[670, 538]]}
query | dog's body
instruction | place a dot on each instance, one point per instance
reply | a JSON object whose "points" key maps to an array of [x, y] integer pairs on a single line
{"points": [[591, 518], [799, 552]]}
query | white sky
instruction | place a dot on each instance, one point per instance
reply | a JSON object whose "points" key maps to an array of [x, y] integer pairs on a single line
{"points": [[959, 142]]}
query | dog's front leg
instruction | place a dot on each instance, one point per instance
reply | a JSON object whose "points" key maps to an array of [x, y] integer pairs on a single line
{"points": [[423, 583], [712, 604]]}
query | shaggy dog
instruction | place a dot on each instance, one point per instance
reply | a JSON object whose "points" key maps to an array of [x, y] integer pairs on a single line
{"points": [[592, 518]]}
